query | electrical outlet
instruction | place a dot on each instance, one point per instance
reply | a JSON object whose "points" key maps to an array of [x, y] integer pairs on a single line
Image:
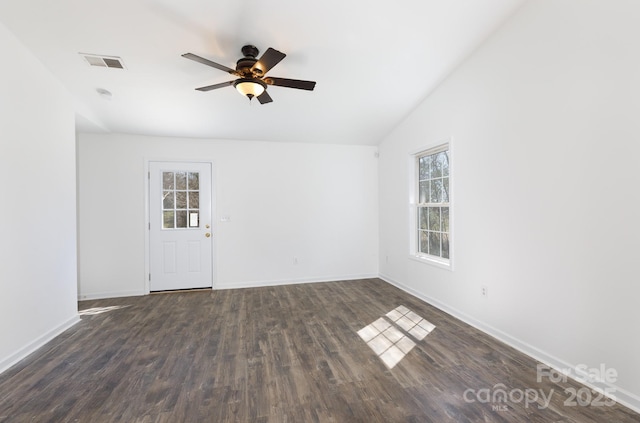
{"points": [[484, 291]]}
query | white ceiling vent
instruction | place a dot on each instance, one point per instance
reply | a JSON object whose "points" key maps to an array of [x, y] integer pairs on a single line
{"points": [[103, 61]]}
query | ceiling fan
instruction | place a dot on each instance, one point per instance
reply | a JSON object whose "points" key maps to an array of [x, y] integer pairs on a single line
{"points": [[252, 81]]}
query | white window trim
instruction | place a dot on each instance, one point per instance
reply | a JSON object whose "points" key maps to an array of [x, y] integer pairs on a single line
{"points": [[413, 203]]}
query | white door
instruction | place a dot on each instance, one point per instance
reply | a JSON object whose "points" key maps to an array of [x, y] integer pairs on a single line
{"points": [[180, 236]]}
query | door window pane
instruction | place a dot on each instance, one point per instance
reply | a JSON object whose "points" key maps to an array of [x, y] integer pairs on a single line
{"points": [[167, 180], [194, 181], [180, 200], [167, 200], [194, 218], [181, 180], [194, 199], [167, 219], [181, 219]]}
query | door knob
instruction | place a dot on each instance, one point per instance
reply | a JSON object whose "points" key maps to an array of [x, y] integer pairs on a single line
{"points": [[207, 234]]}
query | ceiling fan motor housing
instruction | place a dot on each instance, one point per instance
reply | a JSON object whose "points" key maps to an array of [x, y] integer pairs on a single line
{"points": [[244, 65], [250, 51]]}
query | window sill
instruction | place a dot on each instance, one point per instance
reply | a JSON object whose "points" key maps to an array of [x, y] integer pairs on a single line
{"points": [[443, 264]]}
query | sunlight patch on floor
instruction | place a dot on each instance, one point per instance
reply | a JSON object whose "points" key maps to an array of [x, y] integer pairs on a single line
{"points": [[417, 327], [386, 339], [99, 310]]}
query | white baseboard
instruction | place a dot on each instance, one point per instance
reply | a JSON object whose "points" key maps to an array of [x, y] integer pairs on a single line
{"points": [[32, 346], [110, 294], [238, 285], [620, 395], [259, 284]]}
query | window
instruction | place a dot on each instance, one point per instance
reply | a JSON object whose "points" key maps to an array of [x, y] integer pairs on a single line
{"points": [[180, 200], [432, 205]]}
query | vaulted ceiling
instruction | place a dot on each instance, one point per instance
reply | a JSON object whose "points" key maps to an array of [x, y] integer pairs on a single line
{"points": [[373, 61]]}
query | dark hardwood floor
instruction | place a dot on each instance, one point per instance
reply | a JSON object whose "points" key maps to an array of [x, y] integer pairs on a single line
{"points": [[280, 354]]}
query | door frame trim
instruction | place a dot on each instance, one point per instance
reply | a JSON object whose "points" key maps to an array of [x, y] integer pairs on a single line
{"points": [[147, 217]]}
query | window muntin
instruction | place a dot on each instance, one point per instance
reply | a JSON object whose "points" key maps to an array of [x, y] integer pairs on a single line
{"points": [[433, 205]]}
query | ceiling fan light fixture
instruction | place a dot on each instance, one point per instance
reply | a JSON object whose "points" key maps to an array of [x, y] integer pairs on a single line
{"points": [[250, 87]]}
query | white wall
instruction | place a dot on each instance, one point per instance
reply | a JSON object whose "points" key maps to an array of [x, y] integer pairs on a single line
{"points": [[546, 128], [38, 209], [317, 203]]}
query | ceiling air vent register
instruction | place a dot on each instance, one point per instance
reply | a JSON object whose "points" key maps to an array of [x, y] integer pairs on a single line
{"points": [[103, 61]]}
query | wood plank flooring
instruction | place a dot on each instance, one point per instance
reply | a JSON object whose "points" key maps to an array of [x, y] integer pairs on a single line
{"points": [[275, 354]]}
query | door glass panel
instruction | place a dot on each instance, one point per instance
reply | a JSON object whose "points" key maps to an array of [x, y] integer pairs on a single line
{"points": [[194, 199], [181, 219], [180, 200], [194, 218], [167, 219], [181, 180], [167, 200], [167, 180], [194, 181]]}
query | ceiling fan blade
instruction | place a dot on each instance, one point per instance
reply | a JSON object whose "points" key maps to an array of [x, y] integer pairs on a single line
{"points": [[264, 97], [215, 86], [208, 63], [269, 59], [291, 83]]}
